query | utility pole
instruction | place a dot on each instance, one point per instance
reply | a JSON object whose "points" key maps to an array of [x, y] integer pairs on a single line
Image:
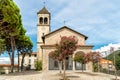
{"points": [[107, 61], [115, 67], [112, 50]]}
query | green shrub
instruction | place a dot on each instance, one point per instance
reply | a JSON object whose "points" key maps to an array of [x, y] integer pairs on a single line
{"points": [[104, 70], [95, 68], [38, 65]]}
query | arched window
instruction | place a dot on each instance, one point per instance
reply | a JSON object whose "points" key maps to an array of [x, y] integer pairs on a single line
{"points": [[45, 20], [41, 20], [79, 60]]}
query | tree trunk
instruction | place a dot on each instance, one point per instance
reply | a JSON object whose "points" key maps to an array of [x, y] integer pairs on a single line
{"points": [[18, 61], [98, 67], [12, 59], [82, 67], [60, 66], [23, 55], [64, 76]]}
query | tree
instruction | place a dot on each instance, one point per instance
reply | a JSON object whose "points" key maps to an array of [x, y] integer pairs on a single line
{"points": [[66, 47], [118, 64], [24, 47], [2, 46], [117, 58], [11, 28], [79, 57], [10, 21], [18, 40], [93, 57], [38, 65]]}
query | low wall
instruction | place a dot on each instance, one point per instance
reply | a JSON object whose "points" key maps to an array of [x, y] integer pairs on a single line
{"points": [[6, 70]]}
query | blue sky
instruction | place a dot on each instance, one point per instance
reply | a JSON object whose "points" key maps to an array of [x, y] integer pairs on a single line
{"points": [[97, 19]]}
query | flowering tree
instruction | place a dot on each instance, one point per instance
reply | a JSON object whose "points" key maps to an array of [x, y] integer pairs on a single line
{"points": [[64, 48], [92, 57]]}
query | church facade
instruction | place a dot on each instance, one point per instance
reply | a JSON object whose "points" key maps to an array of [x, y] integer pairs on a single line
{"points": [[46, 41]]}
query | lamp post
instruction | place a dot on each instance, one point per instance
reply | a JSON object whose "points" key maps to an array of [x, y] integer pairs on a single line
{"points": [[115, 67]]}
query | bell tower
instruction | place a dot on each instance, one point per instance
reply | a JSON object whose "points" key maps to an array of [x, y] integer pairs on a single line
{"points": [[43, 28]]}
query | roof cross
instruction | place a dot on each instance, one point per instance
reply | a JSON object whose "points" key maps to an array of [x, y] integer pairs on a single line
{"points": [[64, 23], [44, 3]]}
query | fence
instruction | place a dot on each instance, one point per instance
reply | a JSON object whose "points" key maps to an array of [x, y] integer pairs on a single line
{"points": [[110, 72]]}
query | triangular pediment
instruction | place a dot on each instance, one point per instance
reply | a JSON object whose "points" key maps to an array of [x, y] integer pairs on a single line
{"points": [[65, 28], [54, 37]]}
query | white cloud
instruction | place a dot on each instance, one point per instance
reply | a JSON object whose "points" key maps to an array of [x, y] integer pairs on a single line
{"points": [[105, 50], [97, 19], [94, 18]]}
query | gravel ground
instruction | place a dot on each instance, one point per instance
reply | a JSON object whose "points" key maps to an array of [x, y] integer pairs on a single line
{"points": [[54, 75]]}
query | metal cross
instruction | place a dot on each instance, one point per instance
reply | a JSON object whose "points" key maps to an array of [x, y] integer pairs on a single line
{"points": [[64, 22], [44, 3]]}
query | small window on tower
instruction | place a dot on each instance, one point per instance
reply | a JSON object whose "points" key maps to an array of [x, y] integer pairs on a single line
{"points": [[41, 20], [45, 20]]}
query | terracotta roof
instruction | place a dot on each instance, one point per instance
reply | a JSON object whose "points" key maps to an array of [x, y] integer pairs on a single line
{"points": [[33, 53], [104, 61], [66, 28], [7, 65], [43, 11]]}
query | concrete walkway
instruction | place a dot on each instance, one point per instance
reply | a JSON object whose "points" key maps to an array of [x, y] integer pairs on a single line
{"points": [[54, 75]]}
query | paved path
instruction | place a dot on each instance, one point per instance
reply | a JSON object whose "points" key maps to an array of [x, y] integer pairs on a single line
{"points": [[54, 75]]}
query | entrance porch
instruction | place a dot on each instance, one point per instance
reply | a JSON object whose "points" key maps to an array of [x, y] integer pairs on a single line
{"points": [[70, 64]]}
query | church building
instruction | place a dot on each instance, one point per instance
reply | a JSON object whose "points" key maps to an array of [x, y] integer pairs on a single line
{"points": [[46, 41]]}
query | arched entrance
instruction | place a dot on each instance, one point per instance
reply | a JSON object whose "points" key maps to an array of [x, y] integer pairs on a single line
{"points": [[54, 64], [80, 65]]}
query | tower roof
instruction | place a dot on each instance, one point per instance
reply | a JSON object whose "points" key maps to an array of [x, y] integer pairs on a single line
{"points": [[43, 11]]}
